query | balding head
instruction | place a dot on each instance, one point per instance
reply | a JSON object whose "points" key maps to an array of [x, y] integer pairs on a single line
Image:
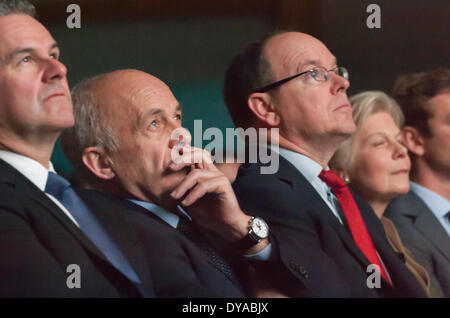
{"points": [[286, 49], [125, 85], [257, 66], [121, 142], [291, 81], [103, 101], [122, 95]]}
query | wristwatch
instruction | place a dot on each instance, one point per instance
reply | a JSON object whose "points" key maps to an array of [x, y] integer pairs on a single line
{"points": [[257, 231]]}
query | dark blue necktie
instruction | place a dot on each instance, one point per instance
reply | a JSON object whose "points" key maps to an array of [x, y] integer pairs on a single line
{"points": [[189, 229], [61, 189]]}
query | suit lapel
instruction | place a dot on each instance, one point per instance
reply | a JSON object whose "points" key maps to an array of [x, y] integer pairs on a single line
{"points": [[309, 199], [27, 189], [427, 224], [41, 198], [111, 216]]}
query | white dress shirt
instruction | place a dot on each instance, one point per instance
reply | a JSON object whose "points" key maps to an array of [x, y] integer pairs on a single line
{"points": [[311, 170], [34, 172]]}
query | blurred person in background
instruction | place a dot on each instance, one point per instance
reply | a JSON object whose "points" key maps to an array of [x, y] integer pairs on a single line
{"points": [[422, 215]]}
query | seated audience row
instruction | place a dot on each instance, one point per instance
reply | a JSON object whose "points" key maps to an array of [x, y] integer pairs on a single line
{"points": [[153, 216]]}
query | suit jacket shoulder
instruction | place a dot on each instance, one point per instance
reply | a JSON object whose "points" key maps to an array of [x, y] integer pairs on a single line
{"points": [[41, 242], [424, 236]]}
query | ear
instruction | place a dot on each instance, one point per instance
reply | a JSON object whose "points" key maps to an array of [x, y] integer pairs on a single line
{"points": [[262, 106], [413, 140], [97, 162]]}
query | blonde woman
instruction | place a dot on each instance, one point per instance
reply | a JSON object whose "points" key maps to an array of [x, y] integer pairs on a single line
{"points": [[375, 164]]}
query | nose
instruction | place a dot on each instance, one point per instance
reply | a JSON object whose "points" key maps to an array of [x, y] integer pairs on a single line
{"points": [[178, 135], [400, 150], [339, 83], [54, 70]]}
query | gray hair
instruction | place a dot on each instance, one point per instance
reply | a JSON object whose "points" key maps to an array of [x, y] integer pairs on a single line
{"points": [[92, 128], [363, 105], [17, 6]]}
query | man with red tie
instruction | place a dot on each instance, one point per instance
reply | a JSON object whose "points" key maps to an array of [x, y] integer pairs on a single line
{"points": [[328, 238]]}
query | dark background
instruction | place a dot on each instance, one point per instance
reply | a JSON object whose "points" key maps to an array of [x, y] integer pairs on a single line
{"points": [[188, 43]]}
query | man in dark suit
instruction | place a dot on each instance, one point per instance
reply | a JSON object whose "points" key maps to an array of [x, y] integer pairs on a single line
{"points": [[179, 268], [53, 243], [128, 143], [422, 215], [327, 237]]}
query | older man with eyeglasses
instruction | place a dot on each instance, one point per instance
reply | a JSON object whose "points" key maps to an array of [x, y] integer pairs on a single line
{"points": [[329, 239]]}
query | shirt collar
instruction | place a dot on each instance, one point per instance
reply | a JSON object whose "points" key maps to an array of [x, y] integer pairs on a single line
{"points": [[437, 204], [308, 167], [170, 218], [30, 168]]}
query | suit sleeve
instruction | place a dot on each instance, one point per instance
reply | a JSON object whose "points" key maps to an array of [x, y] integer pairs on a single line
{"points": [[26, 267], [301, 267]]}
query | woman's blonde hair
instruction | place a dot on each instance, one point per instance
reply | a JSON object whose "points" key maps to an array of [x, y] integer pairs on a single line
{"points": [[365, 104]]}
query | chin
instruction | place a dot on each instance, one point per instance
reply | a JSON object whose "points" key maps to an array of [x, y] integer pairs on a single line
{"points": [[345, 128], [349, 126], [401, 184], [403, 190], [65, 120], [399, 190], [62, 117]]}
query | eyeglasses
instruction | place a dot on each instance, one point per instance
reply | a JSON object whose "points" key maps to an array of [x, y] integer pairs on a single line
{"points": [[319, 73]]}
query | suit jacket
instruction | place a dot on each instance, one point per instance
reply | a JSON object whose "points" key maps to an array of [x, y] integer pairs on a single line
{"points": [[419, 272], [38, 242], [313, 246], [424, 236], [179, 268]]}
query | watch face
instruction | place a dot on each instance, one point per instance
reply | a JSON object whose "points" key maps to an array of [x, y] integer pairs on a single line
{"points": [[260, 228]]}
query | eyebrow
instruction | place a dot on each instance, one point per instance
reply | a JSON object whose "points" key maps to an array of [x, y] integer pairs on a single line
{"points": [[23, 50], [312, 63], [383, 134], [152, 112]]}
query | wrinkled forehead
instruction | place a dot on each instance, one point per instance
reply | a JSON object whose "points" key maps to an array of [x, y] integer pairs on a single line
{"points": [[20, 30], [296, 52], [129, 99]]}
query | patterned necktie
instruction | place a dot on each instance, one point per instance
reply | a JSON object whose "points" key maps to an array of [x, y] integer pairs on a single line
{"points": [[354, 219], [61, 189], [189, 229]]}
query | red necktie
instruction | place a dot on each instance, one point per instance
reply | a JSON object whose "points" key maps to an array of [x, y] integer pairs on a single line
{"points": [[354, 219]]}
